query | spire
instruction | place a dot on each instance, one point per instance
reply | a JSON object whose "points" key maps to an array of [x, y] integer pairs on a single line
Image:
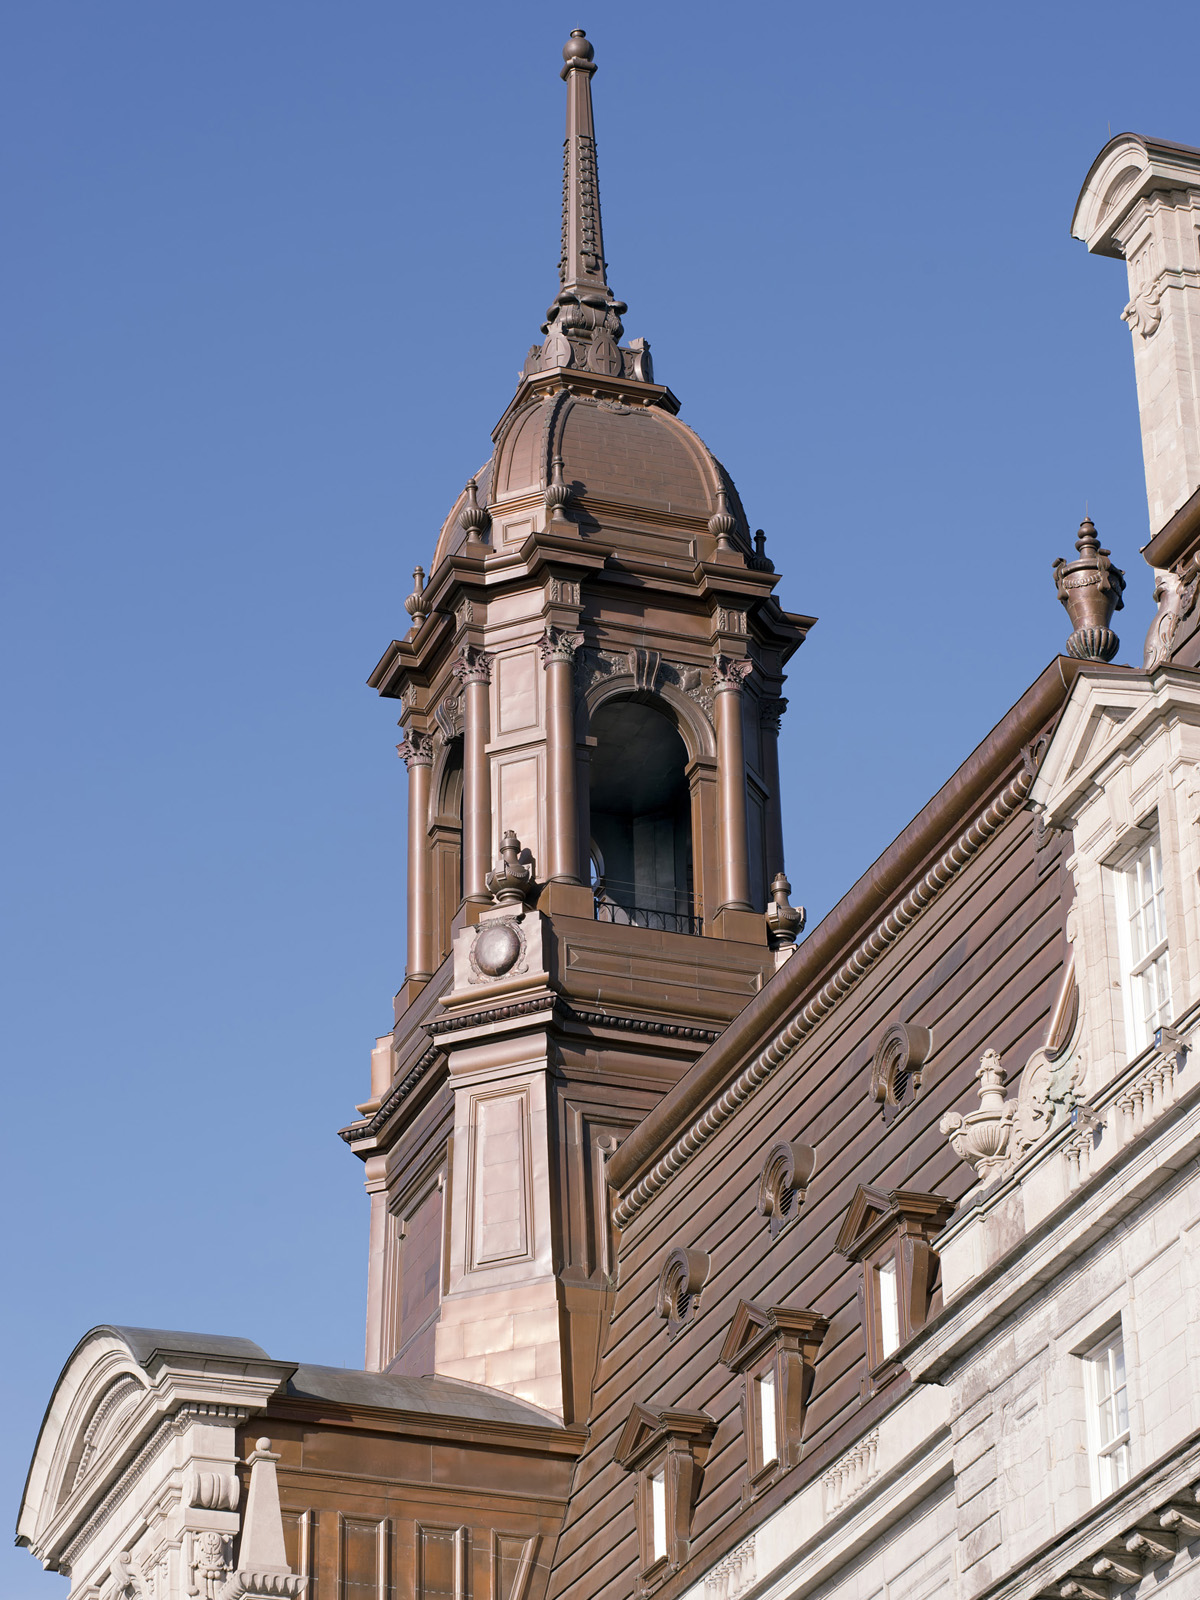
{"points": [[583, 326], [582, 264]]}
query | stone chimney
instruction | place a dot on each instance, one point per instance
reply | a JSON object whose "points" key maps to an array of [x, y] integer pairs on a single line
{"points": [[1141, 202]]}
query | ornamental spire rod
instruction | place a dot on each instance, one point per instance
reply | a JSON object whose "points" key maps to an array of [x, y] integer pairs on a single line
{"points": [[582, 263], [583, 327]]}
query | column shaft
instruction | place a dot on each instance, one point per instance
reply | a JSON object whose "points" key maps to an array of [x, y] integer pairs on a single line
{"points": [[420, 886], [477, 799], [731, 781], [562, 808]]}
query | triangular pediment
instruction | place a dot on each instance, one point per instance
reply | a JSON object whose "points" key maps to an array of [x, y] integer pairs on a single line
{"points": [[868, 1207], [1108, 712], [640, 1430], [745, 1332]]}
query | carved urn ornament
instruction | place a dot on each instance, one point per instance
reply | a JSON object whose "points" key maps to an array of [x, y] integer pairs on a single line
{"points": [[417, 605], [557, 493], [722, 522], [981, 1138], [1091, 589], [785, 922], [511, 881], [473, 516]]}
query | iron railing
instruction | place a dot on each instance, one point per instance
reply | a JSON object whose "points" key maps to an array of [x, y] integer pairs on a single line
{"points": [[631, 916]]}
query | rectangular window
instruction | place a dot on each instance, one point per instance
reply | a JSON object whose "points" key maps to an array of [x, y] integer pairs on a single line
{"points": [[767, 1434], [1144, 955], [1108, 1419], [889, 1307], [658, 1514]]}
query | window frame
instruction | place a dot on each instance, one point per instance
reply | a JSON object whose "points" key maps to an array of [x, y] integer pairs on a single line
{"points": [[1140, 1027], [1098, 1355], [782, 1343]]}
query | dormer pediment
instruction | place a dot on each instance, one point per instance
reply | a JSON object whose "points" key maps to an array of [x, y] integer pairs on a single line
{"points": [[754, 1329], [1108, 717], [874, 1213]]}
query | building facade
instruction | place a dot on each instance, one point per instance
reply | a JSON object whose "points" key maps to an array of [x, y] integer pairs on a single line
{"points": [[706, 1259]]}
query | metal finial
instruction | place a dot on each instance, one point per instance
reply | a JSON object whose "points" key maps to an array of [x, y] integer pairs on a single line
{"points": [[1090, 587], [417, 605]]}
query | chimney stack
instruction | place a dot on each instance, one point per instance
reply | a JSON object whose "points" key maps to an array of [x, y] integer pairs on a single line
{"points": [[1141, 203]]}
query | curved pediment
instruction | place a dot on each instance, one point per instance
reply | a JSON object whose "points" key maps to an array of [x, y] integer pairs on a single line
{"points": [[1128, 167]]}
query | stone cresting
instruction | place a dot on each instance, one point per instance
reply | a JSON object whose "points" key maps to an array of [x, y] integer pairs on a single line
{"points": [[788, 1039]]}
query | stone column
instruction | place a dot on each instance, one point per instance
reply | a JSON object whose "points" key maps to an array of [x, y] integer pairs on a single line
{"points": [[417, 754], [474, 667], [558, 658], [728, 677], [772, 713]]}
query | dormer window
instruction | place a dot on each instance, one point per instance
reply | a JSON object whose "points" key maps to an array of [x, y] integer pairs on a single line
{"points": [[774, 1350], [1145, 959], [667, 1450], [889, 1233]]}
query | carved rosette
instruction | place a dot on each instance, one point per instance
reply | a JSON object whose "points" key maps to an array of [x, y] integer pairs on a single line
{"points": [[557, 644], [416, 749], [473, 665]]}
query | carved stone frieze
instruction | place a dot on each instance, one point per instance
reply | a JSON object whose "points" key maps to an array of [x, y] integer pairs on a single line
{"points": [[563, 592], [730, 620]]}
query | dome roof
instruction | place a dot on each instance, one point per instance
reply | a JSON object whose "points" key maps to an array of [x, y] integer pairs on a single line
{"points": [[616, 458]]}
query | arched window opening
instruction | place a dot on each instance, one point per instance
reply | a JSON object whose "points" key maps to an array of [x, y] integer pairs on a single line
{"points": [[641, 820], [445, 835]]}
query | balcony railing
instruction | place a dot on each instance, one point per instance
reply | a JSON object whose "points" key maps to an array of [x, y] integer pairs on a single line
{"points": [[617, 908]]}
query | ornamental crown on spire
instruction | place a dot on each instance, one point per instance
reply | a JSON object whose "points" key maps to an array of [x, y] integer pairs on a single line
{"points": [[583, 327]]}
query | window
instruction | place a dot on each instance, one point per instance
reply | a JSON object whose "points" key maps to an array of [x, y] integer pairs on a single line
{"points": [[889, 1307], [774, 1350], [1145, 960], [658, 1514], [767, 1430], [667, 1450], [890, 1233], [1108, 1415]]}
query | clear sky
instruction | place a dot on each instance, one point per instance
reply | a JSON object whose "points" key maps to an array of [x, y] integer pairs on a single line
{"points": [[269, 274]]}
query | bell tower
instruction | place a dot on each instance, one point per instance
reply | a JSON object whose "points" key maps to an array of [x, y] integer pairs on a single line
{"points": [[590, 692]]}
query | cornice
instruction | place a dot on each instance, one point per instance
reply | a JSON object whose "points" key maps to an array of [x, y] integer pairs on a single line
{"points": [[370, 1127]]}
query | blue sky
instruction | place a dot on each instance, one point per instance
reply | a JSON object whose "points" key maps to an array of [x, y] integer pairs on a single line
{"points": [[271, 270]]}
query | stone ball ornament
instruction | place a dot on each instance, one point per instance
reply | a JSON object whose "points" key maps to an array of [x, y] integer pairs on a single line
{"points": [[496, 949]]}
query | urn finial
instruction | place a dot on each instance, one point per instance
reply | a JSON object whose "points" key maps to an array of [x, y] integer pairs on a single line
{"points": [[785, 922], [473, 516], [1090, 587], [722, 522], [417, 605], [511, 880]]}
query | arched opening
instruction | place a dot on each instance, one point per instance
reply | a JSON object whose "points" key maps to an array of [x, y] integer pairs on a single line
{"points": [[445, 837], [641, 819]]}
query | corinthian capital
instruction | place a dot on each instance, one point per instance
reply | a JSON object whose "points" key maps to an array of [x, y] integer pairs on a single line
{"points": [[728, 673], [416, 749], [556, 644], [473, 665]]}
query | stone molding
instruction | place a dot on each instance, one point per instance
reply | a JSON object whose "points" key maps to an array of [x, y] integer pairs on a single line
{"points": [[828, 997]]}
